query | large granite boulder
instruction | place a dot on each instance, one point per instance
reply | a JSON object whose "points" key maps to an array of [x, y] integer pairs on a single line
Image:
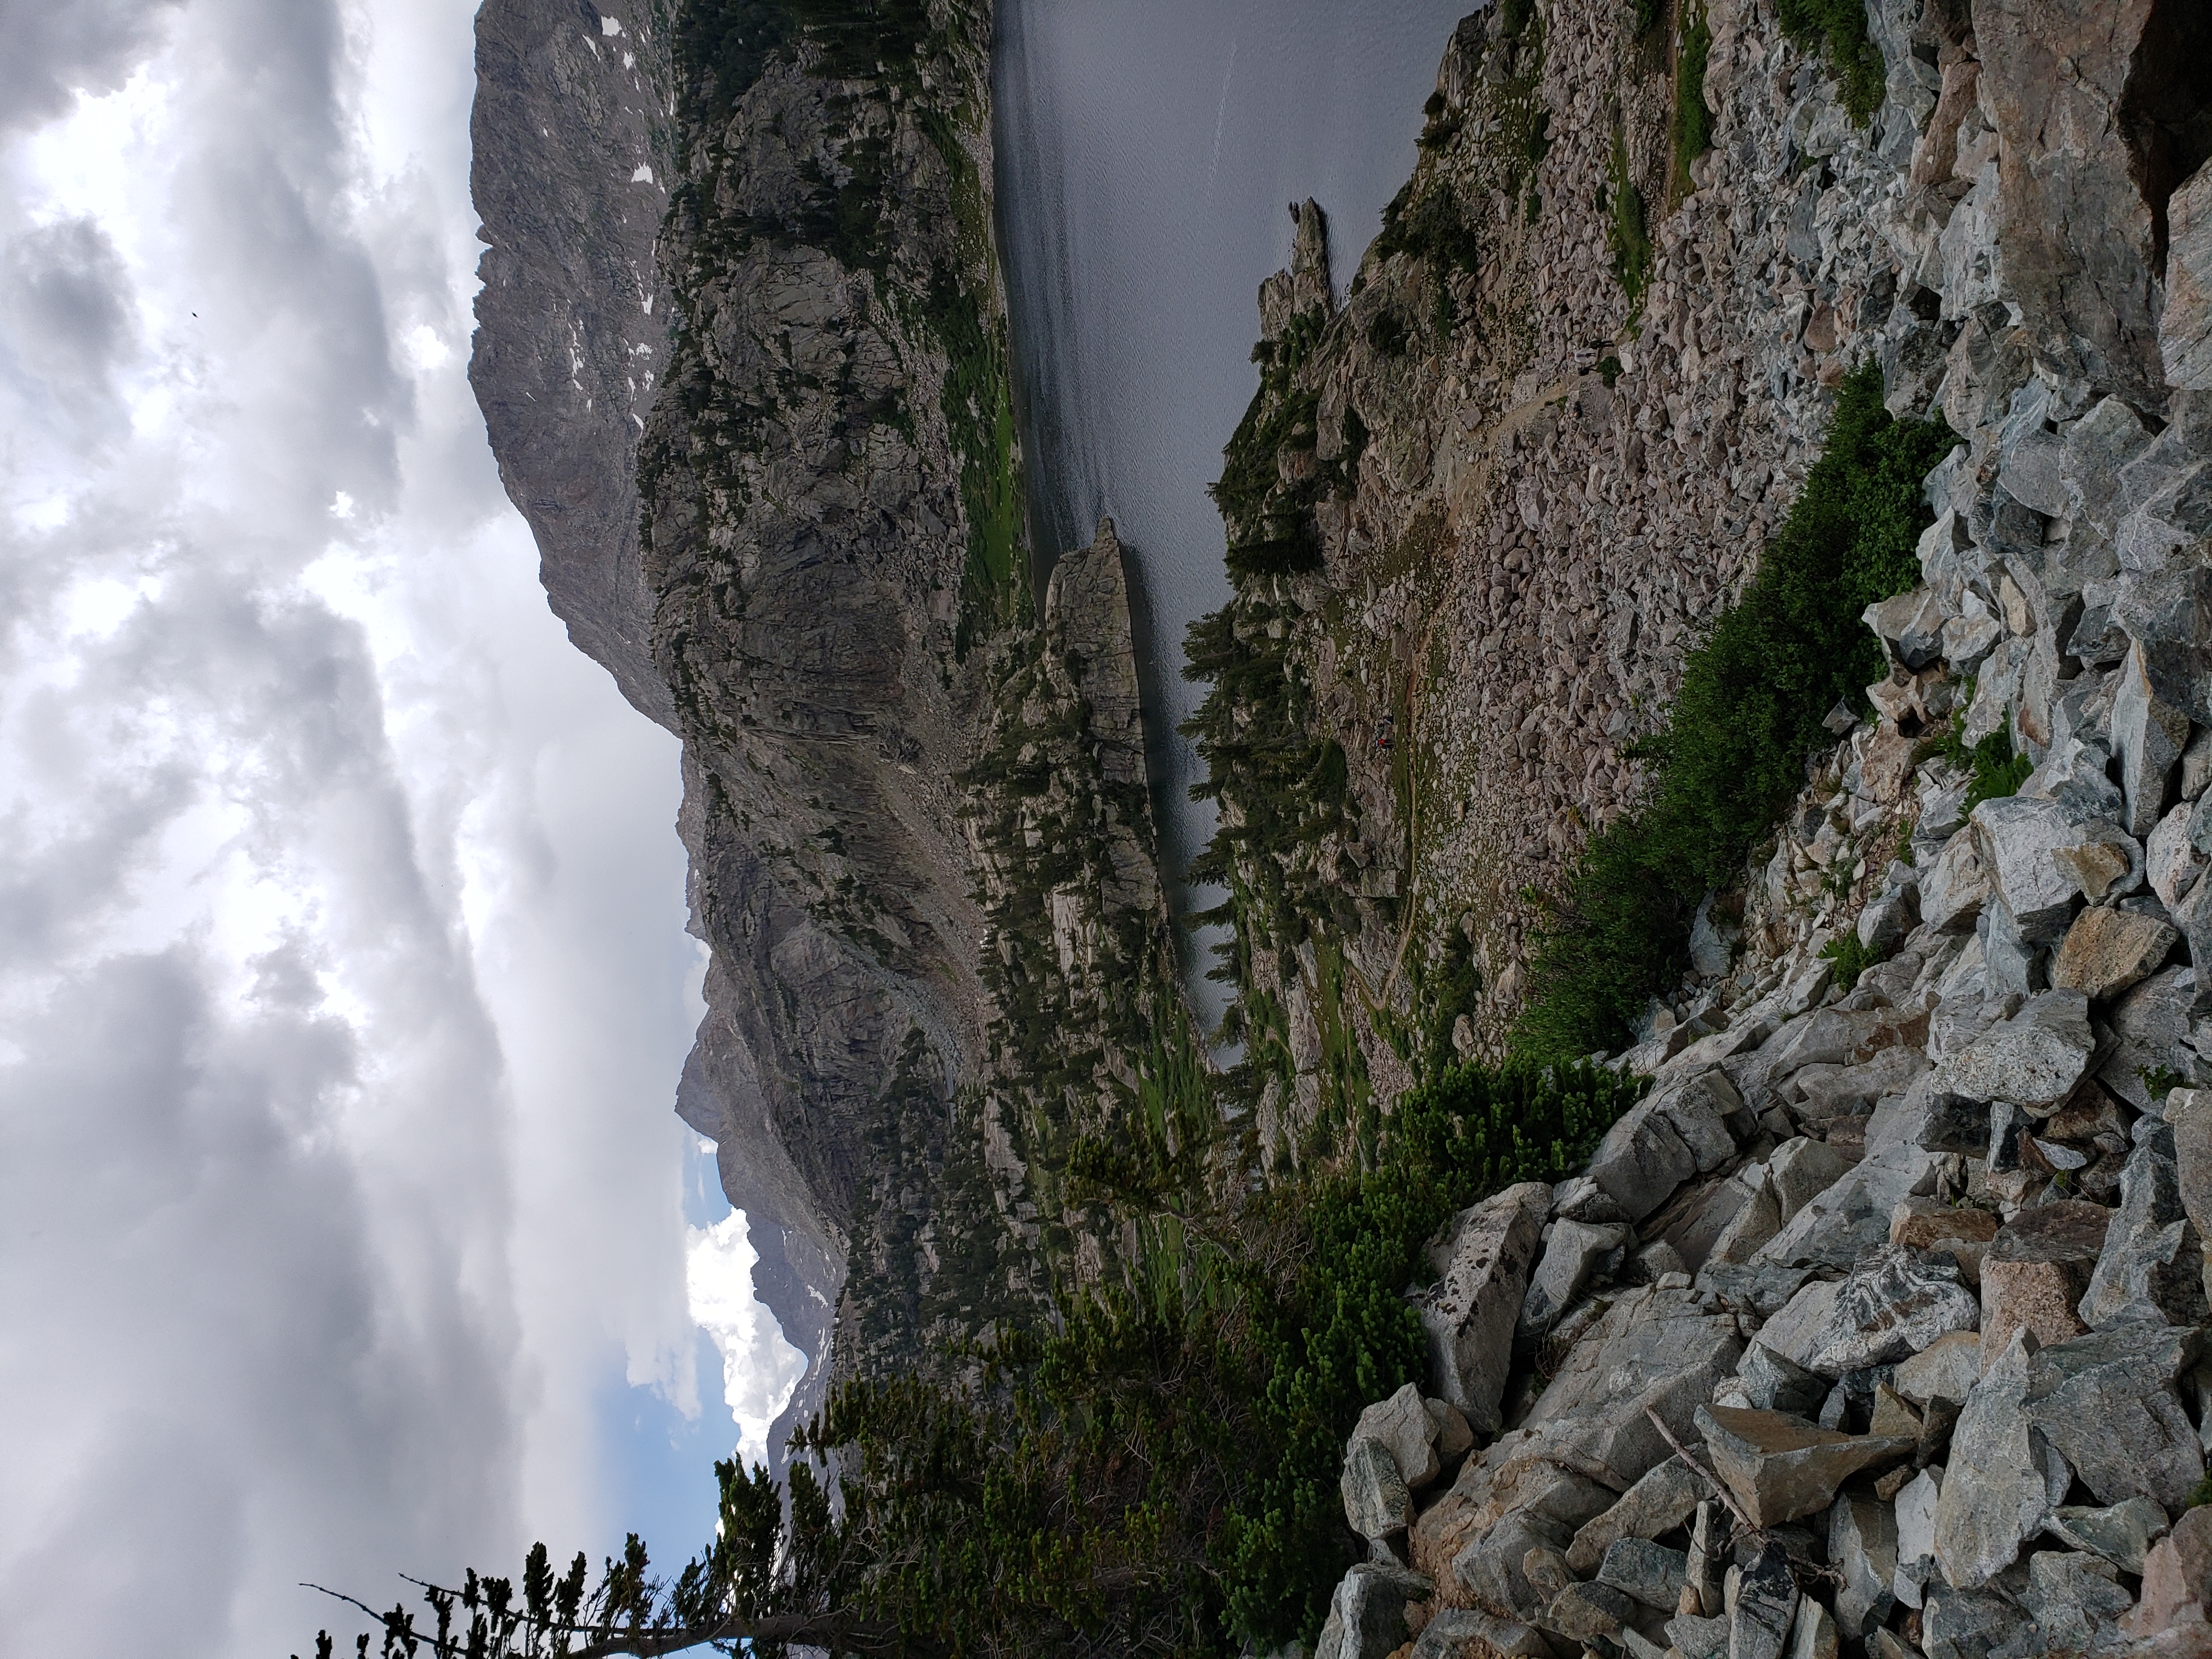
{"points": [[2108, 1403], [2003, 1479], [1367, 1615], [2032, 1059], [1482, 1258]]}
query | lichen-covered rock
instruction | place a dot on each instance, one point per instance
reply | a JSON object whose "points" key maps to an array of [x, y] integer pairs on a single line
{"points": [[1376, 1503]]}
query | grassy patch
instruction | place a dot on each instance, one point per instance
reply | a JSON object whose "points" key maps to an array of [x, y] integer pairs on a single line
{"points": [[1840, 27], [1625, 238], [1693, 130], [1732, 754]]}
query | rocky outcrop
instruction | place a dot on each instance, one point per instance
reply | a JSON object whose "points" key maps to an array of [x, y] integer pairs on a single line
{"points": [[572, 164]]}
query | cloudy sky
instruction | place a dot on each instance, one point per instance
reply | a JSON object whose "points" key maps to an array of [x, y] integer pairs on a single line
{"points": [[342, 980]]}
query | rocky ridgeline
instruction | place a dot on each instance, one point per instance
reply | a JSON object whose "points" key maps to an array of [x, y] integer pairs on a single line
{"points": [[1880, 1323]]}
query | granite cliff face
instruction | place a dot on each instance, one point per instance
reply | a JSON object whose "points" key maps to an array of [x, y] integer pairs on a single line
{"points": [[571, 133], [921, 846]]}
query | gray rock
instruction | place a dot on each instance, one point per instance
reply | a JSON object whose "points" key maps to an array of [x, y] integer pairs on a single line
{"points": [[1367, 1615], [2149, 735], [1493, 1567], [1661, 1501], [2003, 1479], [1894, 1303], [1947, 1369], [1482, 1259], [1766, 1602], [1774, 1383], [1756, 1219], [2150, 1028], [1569, 1254], [2189, 1111], [2170, 863], [1975, 1623], [1653, 1350], [1698, 1638], [1863, 1549], [1954, 889], [1813, 1635], [1375, 1500], [1850, 1218], [1888, 918], [1641, 1161], [2108, 1403], [1650, 1573], [1781, 1467], [1588, 1612], [1454, 1436], [1909, 627], [2017, 837], [2078, 1601], [1471, 1633], [1800, 1169], [1708, 1114], [2121, 1533], [1917, 1503], [2032, 1059], [2185, 329], [2168, 613], [2151, 1265], [1402, 1425]]}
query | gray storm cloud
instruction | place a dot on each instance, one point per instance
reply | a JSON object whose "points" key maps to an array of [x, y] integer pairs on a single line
{"points": [[343, 989]]}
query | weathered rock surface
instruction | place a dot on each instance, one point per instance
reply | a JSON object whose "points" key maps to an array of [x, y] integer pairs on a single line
{"points": [[1376, 1503], [2003, 1479], [1781, 1467], [2107, 1403], [1483, 1261], [1367, 1615]]}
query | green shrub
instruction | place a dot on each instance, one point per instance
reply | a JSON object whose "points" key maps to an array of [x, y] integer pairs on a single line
{"points": [[1626, 237], [1345, 1335], [1693, 122], [1731, 756], [1853, 57], [1851, 957]]}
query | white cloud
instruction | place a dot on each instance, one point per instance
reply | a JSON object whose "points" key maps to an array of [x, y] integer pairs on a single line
{"points": [[759, 1368], [343, 983]]}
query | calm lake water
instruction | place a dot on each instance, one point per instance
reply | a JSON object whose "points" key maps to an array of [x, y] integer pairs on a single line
{"points": [[1147, 151]]}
